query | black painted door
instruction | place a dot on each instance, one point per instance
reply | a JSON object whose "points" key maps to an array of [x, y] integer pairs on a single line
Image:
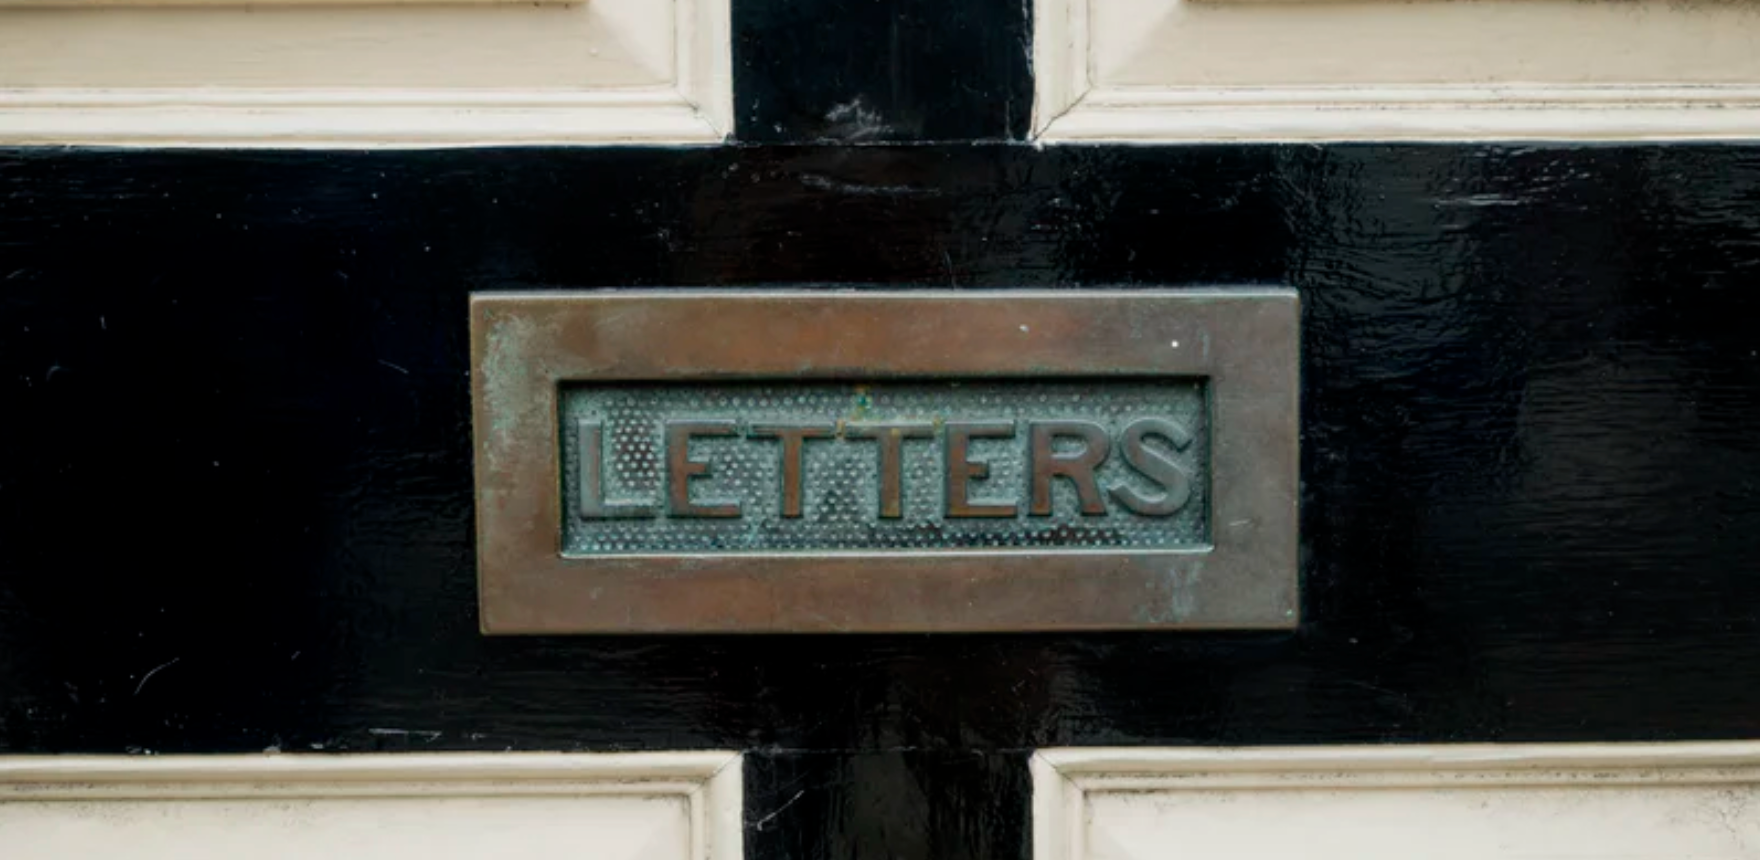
{"points": [[235, 439]]}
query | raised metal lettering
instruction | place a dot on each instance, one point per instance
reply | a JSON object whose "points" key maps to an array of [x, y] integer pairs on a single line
{"points": [[1158, 467], [1077, 467], [793, 438], [962, 469], [590, 436], [890, 437], [680, 468]]}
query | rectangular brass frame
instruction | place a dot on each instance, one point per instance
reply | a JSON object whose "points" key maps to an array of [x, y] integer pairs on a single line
{"points": [[1245, 342]]}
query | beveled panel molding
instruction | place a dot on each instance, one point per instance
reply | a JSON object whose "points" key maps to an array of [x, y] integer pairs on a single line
{"points": [[345, 74], [621, 806], [1483, 802], [1239, 70]]}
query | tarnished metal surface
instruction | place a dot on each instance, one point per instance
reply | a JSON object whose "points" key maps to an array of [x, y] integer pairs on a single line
{"points": [[734, 461], [802, 468]]}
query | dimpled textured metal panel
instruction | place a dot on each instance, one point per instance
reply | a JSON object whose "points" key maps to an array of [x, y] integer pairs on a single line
{"points": [[840, 509]]}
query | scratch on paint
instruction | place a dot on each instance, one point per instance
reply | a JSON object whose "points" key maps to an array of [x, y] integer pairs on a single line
{"points": [[155, 670], [762, 822], [428, 736], [820, 182]]}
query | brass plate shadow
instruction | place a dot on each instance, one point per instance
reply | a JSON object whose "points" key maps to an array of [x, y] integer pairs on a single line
{"points": [[1242, 344]]}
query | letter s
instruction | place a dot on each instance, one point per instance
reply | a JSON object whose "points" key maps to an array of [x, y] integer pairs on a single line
{"points": [[1173, 478]]}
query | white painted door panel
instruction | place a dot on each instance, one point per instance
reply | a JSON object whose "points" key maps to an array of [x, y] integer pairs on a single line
{"points": [[1616, 802], [342, 73], [638, 806], [1195, 70]]}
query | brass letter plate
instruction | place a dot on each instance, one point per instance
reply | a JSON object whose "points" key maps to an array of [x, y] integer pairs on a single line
{"points": [[801, 462]]}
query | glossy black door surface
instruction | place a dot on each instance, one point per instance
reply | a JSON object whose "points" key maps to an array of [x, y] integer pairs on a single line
{"points": [[235, 494]]}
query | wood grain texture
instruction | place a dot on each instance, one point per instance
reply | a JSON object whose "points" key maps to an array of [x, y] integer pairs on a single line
{"points": [[235, 509]]}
